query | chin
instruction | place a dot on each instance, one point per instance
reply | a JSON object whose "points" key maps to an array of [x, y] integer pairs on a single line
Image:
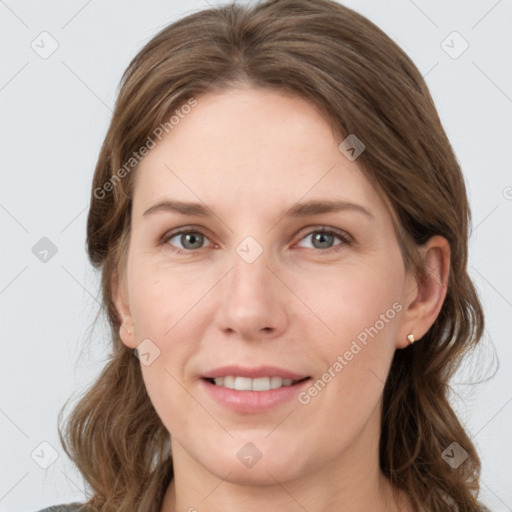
{"points": [[255, 464], [260, 475]]}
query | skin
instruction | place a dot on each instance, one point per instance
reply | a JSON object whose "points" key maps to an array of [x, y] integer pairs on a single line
{"points": [[250, 155]]}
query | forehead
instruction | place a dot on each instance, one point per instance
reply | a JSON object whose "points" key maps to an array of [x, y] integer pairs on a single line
{"points": [[251, 149]]}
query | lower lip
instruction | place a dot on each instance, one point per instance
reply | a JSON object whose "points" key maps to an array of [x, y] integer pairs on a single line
{"points": [[251, 402]]}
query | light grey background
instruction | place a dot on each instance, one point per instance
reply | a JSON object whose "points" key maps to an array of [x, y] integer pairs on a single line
{"points": [[54, 115]]}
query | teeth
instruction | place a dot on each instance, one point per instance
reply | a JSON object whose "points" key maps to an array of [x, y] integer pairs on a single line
{"points": [[243, 384], [247, 384]]}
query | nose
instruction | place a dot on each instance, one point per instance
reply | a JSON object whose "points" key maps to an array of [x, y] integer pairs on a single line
{"points": [[253, 302]]}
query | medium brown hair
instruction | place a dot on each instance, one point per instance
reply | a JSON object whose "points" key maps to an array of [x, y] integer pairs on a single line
{"points": [[364, 84]]}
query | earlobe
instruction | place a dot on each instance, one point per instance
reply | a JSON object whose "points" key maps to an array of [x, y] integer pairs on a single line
{"points": [[119, 296], [429, 293]]}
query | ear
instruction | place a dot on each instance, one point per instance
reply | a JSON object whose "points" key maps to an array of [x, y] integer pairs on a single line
{"points": [[120, 298], [423, 298]]}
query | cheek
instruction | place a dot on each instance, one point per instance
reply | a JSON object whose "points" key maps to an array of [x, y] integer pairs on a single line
{"points": [[362, 309], [160, 297], [362, 306], [358, 300], [167, 310], [163, 310]]}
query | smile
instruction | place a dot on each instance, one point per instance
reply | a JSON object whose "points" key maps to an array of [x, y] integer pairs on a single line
{"points": [[247, 384]]}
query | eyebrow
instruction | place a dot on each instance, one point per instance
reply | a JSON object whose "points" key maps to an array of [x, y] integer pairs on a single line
{"points": [[298, 210]]}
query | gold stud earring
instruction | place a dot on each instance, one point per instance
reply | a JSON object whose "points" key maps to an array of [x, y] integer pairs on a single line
{"points": [[410, 337]]}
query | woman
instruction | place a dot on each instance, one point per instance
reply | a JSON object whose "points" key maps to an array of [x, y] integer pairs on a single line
{"points": [[282, 228]]}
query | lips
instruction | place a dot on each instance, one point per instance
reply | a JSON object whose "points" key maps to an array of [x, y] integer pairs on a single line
{"points": [[252, 390], [253, 373], [253, 401]]}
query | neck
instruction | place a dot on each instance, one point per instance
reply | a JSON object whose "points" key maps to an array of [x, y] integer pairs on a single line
{"points": [[379, 498]]}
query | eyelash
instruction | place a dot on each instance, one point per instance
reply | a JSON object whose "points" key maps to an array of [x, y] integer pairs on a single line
{"points": [[342, 236]]}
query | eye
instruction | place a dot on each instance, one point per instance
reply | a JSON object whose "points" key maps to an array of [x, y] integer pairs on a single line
{"points": [[323, 239], [188, 239]]}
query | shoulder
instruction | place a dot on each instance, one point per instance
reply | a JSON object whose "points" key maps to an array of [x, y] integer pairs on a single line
{"points": [[70, 507]]}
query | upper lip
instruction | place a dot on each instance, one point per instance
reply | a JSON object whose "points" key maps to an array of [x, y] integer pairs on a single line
{"points": [[253, 373]]}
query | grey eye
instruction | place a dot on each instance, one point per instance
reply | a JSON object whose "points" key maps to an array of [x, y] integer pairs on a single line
{"points": [[322, 240], [190, 240]]}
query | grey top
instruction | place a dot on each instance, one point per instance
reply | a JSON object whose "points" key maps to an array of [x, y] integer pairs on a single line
{"points": [[71, 507]]}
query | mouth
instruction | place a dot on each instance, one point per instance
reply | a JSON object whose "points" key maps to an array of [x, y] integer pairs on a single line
{"points": [[240, 383], [252, 390], [253, 395]]}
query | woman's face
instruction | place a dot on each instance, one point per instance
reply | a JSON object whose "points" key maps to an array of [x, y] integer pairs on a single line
{"points": [[252, 284]]}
